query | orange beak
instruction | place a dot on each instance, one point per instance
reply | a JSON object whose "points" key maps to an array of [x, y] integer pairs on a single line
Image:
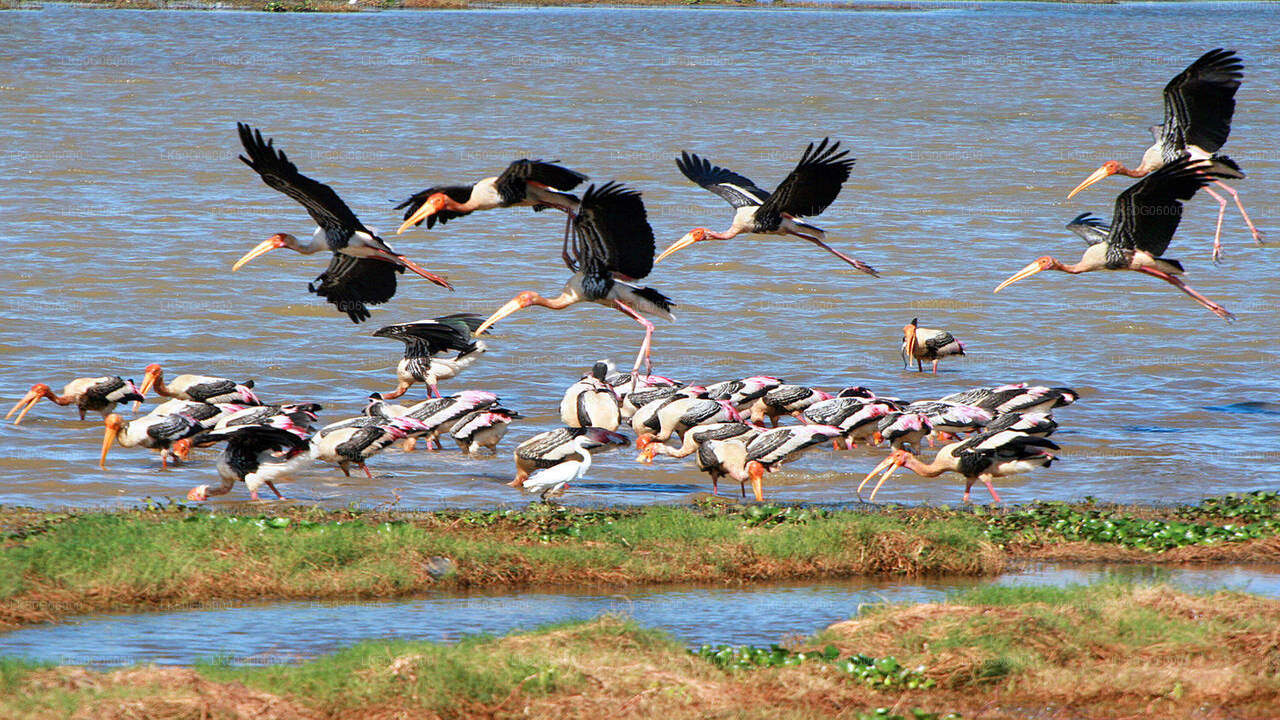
{"points": [[148, 381], [908, 345], [261, 248], [432, 206], [1022, 274], [27, 402], [692, 237], [519, 302], [755, 471], [113, 425], [1100, 174]]}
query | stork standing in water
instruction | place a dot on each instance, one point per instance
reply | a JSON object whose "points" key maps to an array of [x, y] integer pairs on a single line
{"points": [[741, 393], [257, 455], [808, 190], [677, 416], [613, 246], [591, 402], [363, 268], [785, 400], [550, 448], [482, 429], [349, 445], [197, 388], [157, 432], [927, 344], [766, 452], [650, 447], [981, 457], [1198, 105], [99, 394], [1016, 398], [1146, 217], [525, 183], [855, 416], [426, 339]]}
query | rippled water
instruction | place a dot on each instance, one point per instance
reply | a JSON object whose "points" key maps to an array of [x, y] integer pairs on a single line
{"points": [[759, 614], [122, 207]]}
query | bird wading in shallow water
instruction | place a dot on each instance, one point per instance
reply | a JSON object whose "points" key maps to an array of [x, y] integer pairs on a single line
{"points": [[927, 344], [99, 394], [363, 268], [426, 339]]}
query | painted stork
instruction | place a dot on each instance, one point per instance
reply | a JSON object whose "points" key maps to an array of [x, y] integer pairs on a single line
{"points": [[808, 190], [482, 429], [591, 402], [363, 268], [613, 246], [1146, 217], [197, 388], [694, 438], [550, 448], [257, 455], [633, 402], [742, 392], [1016, 398], [154, 432], [785, 400], [423, 341], [529, 183], [99, 394], [1040, 424], [302, 414], [677, 415], [1198, 105], [855, 416], [354, 444], [927, 344], [981, 457], [441, 414], [748, 462]]}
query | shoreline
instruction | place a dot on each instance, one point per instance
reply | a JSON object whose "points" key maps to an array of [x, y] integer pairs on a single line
{"points": [[1107, 650], [54, 565], [345, 6]]}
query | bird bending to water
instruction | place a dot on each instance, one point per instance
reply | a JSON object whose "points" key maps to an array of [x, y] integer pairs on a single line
{"points": [[981, 457], [99, 394]]}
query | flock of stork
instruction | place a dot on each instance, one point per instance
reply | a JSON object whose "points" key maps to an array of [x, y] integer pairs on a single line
{"points": [[609, 246]]}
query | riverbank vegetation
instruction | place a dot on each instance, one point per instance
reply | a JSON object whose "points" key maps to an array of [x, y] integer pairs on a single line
{"points": [[54, 564], [1102, 651]]}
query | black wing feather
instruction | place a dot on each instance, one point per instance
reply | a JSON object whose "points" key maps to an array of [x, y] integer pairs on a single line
{"points": [[350, 283], [429, 337], [812, 186], [1090, 227], [1199, 102], [278, 172], [458, 193], [512, 184], [736, 189], [613, 233], [1148, 212]]}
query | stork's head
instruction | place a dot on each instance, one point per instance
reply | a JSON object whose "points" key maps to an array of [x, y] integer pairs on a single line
{"points": [[112, 424], [519, 302], [1040, 264], [693, 236], [150, 376], [37, 391], [647, 444], [1109, 168], [435, 203], [199, 493], [909, 341], [279, 240]]}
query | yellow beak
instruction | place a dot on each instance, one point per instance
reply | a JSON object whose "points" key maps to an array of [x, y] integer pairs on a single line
{"points": [[423, 212], [147, 382], [1097, 175], [1022, 274], [29, 400], [511, 306], [108, 439], [883, 464], [261, 248], [678, 245]]}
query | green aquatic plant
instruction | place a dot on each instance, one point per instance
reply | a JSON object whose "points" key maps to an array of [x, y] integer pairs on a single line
{"points": [[880, 672]]}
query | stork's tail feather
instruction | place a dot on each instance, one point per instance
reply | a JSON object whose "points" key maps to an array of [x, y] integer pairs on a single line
{"points": [[657, 298]]}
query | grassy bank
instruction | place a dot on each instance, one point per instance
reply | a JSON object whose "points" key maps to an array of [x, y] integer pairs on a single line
{"points": [[57, 564], [1106, 651]]}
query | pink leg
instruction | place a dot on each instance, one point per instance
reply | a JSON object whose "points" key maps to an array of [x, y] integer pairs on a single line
{"points": [[1213, 307], [274, 490], [643, 355], [991, 488], [968, 485], [433, 390], [253, 495], [858, 264], [935, 367], [365, 468], [1257, 235], [1217, 233]]}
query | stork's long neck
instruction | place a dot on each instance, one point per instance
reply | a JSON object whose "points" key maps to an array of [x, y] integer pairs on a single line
{"points": [[935, 468], [319, 241]]}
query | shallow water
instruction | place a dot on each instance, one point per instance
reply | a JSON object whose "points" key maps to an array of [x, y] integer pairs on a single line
{"points": [[123, 206], [759, 614]]}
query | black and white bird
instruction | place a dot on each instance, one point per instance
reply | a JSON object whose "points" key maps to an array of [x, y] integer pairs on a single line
{"points": [[742, 392], [855, 416], [661, 419], [257, 455], [1017, 398], [650, 447], [981, 457], [550, 448], [197, 388], [927, 344], [808, 190], [424, 341], [363, 268], [785, 400], [1145, 219], [97, 394], [766, 452], [353, 444], [155, 431], [613, 247], [591, 402], [482, 429], [1198, 105]]}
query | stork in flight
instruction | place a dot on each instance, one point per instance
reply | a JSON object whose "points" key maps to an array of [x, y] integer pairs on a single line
{"points": [[363, 268], [1198, 105], [613, 247], [1146, 217], [808, 190], [424, 341]]}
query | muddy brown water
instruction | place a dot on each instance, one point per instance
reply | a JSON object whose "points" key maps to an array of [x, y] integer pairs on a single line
{"points": [[122, 208]]}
